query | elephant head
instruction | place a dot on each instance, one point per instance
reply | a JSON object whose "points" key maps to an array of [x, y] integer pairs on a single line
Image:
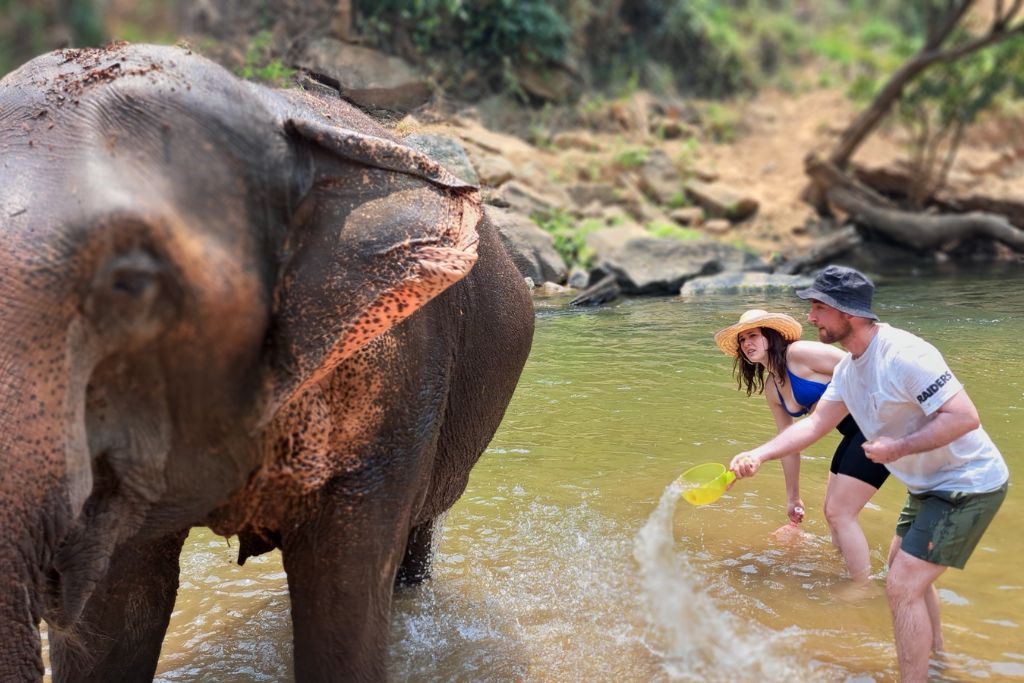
{"points": [[181, 254]]}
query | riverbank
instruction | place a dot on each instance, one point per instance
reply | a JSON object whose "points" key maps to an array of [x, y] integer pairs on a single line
{"points": [[670, 171]]}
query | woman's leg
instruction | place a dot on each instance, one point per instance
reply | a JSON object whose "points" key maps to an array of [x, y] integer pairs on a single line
{"points": [[845, 497]]}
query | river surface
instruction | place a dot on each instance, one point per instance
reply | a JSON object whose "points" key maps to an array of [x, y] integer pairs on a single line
{"points": [[571, 557]]}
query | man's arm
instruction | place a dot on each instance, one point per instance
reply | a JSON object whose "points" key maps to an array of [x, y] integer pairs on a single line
{"points": [[956, 417], [793, 439]]}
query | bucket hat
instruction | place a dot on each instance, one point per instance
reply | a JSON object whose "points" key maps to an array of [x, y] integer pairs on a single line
{"points": [[786, 325], [844, 289]]}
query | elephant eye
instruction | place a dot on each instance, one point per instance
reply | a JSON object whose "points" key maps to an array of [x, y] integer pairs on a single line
{"points": [[132, 281], [127, 298]]}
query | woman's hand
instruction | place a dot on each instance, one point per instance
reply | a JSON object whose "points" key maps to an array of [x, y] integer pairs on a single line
{"points": [[745, 465], [796, 511]]}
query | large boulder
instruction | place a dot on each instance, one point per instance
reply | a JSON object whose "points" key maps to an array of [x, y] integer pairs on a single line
{"points": [[648, 265], [532, 250], [721, 201], [659, 178], [446, 151], [529, 201], [744, 283], [367, 77]]}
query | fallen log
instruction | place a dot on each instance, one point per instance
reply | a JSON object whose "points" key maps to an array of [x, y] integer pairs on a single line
{"points": [[928, 231], [922, 232]]}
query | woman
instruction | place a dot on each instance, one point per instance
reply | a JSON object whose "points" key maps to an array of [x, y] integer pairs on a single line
{"points": [[792, 374]]}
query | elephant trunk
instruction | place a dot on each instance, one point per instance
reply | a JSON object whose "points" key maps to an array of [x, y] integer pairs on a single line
{"points": [[45, 475], [20, 610]]}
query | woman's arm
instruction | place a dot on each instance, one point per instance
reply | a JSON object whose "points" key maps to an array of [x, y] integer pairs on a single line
{"points": [[790, 463], [804, 356]]}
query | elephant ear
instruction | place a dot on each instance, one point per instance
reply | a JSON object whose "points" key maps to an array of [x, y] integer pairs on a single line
{"points": [[380, 231]]}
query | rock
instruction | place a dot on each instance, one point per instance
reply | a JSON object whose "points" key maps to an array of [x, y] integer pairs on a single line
{"points": [[612, 239], [500, 144], [580, 140], [716, 226], [532, 250], [447, 151], [578, 278], [585, 194], [550, 289], [687, 215], [616, 215], [529, 201], [721, 201], [649, 265], [367, 77], [492, 196], [745, 283], [494, 170], [673, 129], [659, 179], [548, 83]]}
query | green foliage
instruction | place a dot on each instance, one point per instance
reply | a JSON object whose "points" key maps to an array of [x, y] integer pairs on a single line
{"points": [[673, 231], [570, 237], [677, 200], [28, 29], [633, 157], [488, 37], [721, 122], [260, 64], [686, 159], [939, 105]]}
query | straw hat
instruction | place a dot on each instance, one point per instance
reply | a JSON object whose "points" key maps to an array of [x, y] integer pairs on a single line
{"points": [[785, 325]]}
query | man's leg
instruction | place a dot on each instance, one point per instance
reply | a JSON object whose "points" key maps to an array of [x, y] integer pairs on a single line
{"points": [[845, 497], [909, 583], [931, 599]]}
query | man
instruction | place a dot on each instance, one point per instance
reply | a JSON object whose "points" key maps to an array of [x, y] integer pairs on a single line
{"points": [[920, 423]]}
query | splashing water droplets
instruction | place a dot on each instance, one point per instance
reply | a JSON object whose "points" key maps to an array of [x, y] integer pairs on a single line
{"points": [[701, 642]]}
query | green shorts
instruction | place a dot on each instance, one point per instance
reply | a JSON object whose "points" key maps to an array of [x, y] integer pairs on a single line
{"points": [[944, 527]]}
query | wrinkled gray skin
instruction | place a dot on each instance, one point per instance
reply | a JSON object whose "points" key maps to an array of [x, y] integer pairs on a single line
{"points": [[225, 305]]}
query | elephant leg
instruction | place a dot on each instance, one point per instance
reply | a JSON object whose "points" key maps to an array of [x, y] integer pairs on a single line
{"points": [[415, 566], [122, 626], [341, 563]]}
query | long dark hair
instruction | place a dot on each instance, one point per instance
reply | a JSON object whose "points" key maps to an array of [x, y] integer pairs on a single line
{"points": [[751, 375]]}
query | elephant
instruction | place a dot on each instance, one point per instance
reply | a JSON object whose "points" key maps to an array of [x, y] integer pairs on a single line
{"points": [[233, 306]]}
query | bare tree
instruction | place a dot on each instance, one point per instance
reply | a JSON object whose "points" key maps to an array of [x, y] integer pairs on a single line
{"points": [[939, 47]]}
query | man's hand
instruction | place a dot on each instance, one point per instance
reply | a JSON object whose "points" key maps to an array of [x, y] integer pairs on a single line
{"points": [[882, 450], [745, 465]]}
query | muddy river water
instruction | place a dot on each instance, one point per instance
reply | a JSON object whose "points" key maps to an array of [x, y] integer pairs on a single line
{"points": [[569, 559]]}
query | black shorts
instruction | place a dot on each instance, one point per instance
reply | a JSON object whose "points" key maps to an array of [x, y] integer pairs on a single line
{"points": [[850, 460]]}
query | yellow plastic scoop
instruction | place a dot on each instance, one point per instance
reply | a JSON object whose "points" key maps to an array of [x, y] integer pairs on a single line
{"points": [[706, 483]]}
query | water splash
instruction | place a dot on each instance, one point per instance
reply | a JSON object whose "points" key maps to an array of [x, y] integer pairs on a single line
{"points": [[702, 642]]}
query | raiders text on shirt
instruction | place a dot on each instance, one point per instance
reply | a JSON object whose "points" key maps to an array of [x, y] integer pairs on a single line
{"points": [[934, 386]]}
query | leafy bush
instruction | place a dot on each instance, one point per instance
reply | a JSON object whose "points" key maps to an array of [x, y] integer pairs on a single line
{"points": [[490, 37], [570, 237], [260, 64]]}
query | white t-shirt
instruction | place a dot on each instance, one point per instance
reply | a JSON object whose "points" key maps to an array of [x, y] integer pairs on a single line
{"points": [[891, 390]]}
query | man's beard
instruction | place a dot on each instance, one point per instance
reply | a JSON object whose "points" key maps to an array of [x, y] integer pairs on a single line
{"points": [[844, 330]]}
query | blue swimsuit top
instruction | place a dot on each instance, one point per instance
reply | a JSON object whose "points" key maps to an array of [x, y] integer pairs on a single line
{"points": [[805, 391]]}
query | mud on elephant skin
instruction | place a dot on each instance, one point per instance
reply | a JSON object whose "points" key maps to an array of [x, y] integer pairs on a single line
{"points": [[226, 305]]}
